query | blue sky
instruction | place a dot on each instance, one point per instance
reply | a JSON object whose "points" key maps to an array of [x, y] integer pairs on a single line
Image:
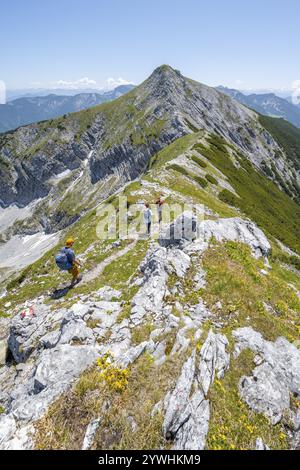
{"points": [[244, 44]]}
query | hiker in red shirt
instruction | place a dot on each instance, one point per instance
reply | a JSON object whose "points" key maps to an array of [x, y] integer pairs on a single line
{"points": [[159, 203]]}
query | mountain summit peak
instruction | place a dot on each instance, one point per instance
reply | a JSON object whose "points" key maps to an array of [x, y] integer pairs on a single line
{"points": [[163, 80], [164, 68], [165, 71]]}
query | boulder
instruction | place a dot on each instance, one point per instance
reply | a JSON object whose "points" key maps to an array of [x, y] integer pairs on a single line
{"points": [[272, 382], [178, 262], [76, 331], [131, 355], [264, 393], [192, 434], [26, 332], [156, 267], [80, 310], [90, 433], [7, 428], [239, 230], [184, 229], [50, 340], [186, 417], [62, 364], [214, 359], [176, 402], [13, 437], [260, 445], [149, 298], [55, 371]]}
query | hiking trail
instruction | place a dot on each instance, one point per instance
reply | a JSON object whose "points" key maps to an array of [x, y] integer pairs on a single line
{"points": [[93, 273]]}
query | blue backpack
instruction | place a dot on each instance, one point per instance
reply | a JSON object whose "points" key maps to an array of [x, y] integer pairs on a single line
{"points": [[62, 261]]}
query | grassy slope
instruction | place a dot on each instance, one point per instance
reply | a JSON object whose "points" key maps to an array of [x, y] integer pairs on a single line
{"points": [[287, 136], [259, 198]]}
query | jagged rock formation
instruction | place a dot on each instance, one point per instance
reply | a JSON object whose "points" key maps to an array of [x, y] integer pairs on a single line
{"points": [[186, 419], [238, 230], [214, 360]]}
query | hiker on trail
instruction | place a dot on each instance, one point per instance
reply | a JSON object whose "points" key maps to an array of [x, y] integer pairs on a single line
{"points": [[66, 261], [148, 217], [159, 203]]}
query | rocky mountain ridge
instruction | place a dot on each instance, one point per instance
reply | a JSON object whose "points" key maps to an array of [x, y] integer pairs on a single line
{"points": [[41, 162]]}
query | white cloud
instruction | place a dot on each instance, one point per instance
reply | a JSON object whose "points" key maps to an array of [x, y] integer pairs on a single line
{"points": [[296, 92], [296, 84], [114, 82], [2, 92], [84, 82]]}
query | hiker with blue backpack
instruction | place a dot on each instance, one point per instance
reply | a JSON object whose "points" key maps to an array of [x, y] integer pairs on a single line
{"points": [[66, 261]]}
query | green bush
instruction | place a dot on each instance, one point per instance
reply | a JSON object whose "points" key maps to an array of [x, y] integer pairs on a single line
{"points": [[198, 161], [179, 168], [228, 197], [211, 179], [200, 181]]}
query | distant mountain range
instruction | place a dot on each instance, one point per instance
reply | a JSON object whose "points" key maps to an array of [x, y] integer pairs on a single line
{"points": [[27, 110], [13, 94], [268, 104]]}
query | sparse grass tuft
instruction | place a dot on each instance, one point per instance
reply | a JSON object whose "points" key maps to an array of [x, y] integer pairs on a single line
{"points": [[141, 333]]}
